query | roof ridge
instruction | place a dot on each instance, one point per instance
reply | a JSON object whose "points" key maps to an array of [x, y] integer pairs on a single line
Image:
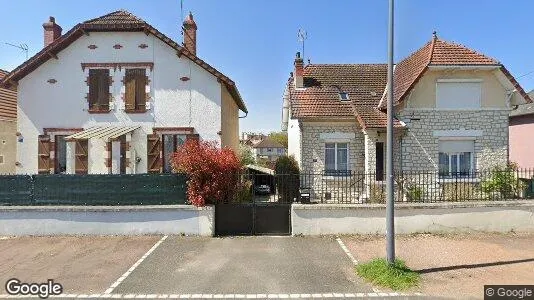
{"points": [[352, 64], [432, 47], [124, 11]]}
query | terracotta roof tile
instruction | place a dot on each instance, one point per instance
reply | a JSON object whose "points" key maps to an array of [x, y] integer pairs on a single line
{"points": [[268, 143], [438, 53]]}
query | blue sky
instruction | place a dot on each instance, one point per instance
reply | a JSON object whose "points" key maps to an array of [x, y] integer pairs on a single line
{"points": [[254, 42]]}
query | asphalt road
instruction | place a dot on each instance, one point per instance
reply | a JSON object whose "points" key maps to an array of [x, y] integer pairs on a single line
{"points": [[245, 265]]}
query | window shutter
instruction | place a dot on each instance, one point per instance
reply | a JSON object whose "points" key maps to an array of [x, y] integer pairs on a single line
{"points": [[154, 162], [103, 95], [99, 82], [129, 95], [43, 152], [82, 157], [140, 89]]}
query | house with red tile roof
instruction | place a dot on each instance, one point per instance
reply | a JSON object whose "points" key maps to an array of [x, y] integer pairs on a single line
{"points": [[268, 149], [115, 95], [8, 128], [451, 107]]}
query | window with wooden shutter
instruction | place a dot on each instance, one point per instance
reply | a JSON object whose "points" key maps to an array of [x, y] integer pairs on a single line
{"points": [[135, 90], [154, 162], [81, 157], [99, 82], [43, 152]]}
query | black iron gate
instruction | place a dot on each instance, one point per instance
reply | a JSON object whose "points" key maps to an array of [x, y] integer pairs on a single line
{"points": [[263, 206]]}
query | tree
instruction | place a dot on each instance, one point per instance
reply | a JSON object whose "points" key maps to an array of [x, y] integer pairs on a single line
{"points": [[213, 173], [280, 137], [287, 178], [246, 156]]}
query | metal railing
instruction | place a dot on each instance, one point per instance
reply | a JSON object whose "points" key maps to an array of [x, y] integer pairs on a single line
{"points": [[138, 189], [409, 186]]}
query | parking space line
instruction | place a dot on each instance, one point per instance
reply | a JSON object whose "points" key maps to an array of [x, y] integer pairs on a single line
{"points": [[346, 250], [134, 266]]}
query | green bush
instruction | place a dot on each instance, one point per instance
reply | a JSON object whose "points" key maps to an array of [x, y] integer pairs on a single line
{"points": [[503, 183], [244, 192], [414, 193], [461, 191], [287, 178], [377, 193]]}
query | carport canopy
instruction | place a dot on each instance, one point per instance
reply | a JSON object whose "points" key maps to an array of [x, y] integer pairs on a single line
{"points": [[106, 133]]}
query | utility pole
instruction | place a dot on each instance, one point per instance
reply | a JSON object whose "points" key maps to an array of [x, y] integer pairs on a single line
{"points": [[390, 209]]}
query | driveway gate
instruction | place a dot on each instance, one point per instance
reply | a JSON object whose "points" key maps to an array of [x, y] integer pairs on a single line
{"points": [[263, 207]]}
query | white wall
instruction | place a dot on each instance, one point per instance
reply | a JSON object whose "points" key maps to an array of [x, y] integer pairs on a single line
{"points": [[119, 220], [63, 104], [487, 216], [294, 140]]}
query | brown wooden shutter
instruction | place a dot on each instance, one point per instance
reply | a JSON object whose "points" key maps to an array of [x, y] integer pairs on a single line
{"points": [[43, 152], [154, 162], [135, 95], [82, 157], [129, 95], [140, 89], [99, 82]]}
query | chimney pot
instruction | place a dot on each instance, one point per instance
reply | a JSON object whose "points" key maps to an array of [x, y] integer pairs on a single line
{"points": [[52, 31], [190, 34]]}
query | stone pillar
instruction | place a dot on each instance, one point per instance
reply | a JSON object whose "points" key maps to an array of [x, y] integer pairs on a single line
{"points": [[71, 158]]}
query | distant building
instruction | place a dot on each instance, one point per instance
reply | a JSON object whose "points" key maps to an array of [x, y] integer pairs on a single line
{"points": [[268, 149], [251, 138]]}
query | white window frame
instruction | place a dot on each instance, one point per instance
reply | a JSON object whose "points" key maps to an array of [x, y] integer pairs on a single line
{"points": [[458, 80], [471, 158], [335, 156]]}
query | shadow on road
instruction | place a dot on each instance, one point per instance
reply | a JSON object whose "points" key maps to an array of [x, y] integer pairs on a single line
{"points": [[473, 266]]}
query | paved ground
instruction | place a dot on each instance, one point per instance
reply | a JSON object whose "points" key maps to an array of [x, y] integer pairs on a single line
{"points": [[80, 264], [178, 267], [249, 265], [457, 266]]}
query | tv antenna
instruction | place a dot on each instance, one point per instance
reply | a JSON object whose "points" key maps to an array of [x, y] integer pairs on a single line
{"points": [[302, 35], [22, 47]]}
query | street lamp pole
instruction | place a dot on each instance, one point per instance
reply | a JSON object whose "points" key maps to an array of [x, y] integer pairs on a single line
{"points": [[390, 210]]}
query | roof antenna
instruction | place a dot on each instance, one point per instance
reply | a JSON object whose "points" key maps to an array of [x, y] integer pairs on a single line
{"points": [[182, 15], [22, 47], [302, 35]]}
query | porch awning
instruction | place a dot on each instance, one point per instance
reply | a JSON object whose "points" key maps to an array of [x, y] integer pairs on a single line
{"points": [[105, 133]]}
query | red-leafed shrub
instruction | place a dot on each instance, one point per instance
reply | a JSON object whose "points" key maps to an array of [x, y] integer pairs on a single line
{"points": [[212, 171]]}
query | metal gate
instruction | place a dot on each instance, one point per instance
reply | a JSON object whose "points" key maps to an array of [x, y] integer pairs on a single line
{"points": [[262, 208]]}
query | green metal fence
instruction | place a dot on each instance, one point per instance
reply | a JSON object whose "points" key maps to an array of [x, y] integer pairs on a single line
{"points": [[138, 189]]}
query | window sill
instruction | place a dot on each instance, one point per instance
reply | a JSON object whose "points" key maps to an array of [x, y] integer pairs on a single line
{"points": [[99, 111], [459, 180], [135, 111]]}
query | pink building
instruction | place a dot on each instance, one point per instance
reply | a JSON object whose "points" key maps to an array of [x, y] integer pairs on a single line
{"points": [[522, 135]]}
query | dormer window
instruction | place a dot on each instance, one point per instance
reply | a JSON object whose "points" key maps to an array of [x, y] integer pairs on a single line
{"points": [[343, 96]]}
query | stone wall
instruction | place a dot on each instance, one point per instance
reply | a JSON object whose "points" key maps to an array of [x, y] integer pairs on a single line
{"points": [[313, 147], [420, 153]]}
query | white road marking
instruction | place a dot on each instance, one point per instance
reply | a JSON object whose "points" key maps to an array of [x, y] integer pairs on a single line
{"points": [[132, 268], [346, 250]]}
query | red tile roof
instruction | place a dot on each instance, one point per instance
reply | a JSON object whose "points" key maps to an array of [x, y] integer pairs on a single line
{"points": [[116, 21], [268, 143], [439, 53], [364, 84]]}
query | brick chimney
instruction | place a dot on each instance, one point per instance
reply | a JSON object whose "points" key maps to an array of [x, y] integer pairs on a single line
{"points": [[52, 31], [299, 71], [190, 34]]}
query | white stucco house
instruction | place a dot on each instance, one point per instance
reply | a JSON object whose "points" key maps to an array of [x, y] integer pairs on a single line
{"points": [[451, 113], [115, 95]]}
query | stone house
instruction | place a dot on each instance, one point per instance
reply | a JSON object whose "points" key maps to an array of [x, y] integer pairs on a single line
{"points": [[451, 114], [115, 95]]}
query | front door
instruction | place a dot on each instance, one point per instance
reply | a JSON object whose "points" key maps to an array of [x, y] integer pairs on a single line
{"points": [[379, 161]]}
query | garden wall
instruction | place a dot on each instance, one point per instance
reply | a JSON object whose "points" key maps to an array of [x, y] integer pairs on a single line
{"points": [[106, 220], [487, 216]]}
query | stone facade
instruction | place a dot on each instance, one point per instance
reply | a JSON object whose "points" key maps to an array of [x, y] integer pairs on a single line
{"points": [[313, 146], [420, 147]]}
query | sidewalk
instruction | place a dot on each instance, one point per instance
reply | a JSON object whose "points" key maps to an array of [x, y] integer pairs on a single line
{"points": [[457, 266]]}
